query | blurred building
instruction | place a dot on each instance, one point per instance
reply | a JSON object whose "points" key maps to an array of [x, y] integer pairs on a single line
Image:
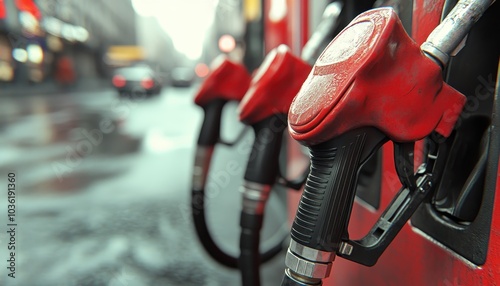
{"points": [[242, 22], [178, 33], [158, 47], [9, 25], [229, 20], [38, 37]]}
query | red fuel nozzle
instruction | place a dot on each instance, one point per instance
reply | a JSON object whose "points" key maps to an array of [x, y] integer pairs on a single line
{"points": [[227, 80], [371, 84], [265, 107], [273, 86], [374, 74]]}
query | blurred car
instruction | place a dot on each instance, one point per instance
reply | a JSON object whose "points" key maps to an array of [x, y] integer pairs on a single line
{"points": [[182, 77], [136, 79]]}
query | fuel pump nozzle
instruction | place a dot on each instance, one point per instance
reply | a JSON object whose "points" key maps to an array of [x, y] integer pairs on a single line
{"points": [[227, 81], [265, 108], [372, 84]]}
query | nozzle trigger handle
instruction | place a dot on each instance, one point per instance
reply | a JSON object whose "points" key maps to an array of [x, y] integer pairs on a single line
{"points": [[263, 163], [210, 128], [265, 107], [326, 203]]}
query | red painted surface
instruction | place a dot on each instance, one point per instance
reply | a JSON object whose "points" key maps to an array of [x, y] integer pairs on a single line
{"points": [[275, 26], [3, 10], [227, 80], [304, 22], [30, 7], [290, 28], [298, 24], [386, 82], [273, 87]]}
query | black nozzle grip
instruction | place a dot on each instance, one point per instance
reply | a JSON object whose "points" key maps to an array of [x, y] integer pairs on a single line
{"points": [[263, 163], [210, 128], [326, 203]]}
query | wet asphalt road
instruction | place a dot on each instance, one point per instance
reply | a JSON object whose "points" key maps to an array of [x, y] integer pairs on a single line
{"points": [[102, 192]]}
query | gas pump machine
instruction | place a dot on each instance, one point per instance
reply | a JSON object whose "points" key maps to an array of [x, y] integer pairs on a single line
{"points": [[374, 84], [399, 118]]}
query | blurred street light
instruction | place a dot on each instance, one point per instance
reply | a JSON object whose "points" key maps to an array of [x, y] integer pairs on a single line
{"points": [[201, 70], [35, 54], [227, 43], [20, 55]]}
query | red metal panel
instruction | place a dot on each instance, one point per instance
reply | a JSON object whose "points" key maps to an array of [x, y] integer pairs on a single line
{"points": [[298, 24], [290, 28], [304, 22], [275, 24]]}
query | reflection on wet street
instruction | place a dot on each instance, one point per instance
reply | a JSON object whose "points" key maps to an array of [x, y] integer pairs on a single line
{"points": [[103, 191]]}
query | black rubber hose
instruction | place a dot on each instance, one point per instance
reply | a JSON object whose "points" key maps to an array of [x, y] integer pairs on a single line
{"points": [[249, 245], [206, 240], [262, 169], [198, 211], [209, 137]]}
